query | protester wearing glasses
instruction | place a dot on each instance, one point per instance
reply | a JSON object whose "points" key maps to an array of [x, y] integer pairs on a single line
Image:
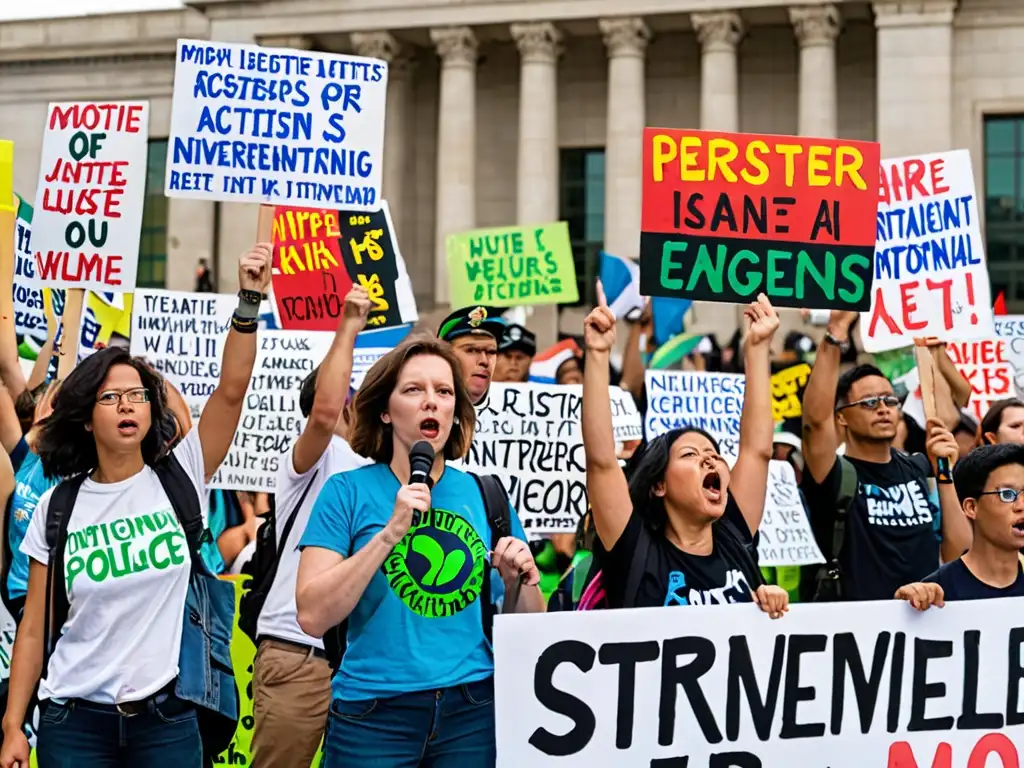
{"points": [[885, 534], [108, 691], [990, 485]]}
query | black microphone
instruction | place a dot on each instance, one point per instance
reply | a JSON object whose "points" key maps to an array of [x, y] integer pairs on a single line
{"points": [[421, 461]]}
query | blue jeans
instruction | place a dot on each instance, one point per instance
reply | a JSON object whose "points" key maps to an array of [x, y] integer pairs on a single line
{"points": [[446, 728], [75, 733]]}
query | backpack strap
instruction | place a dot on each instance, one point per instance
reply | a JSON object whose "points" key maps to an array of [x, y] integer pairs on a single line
{"points": [[58, 516], [637, 566], [847, 492], [182, 494], [286, 531], [499, 520]]}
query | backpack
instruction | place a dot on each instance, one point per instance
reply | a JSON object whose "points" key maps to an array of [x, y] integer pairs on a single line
{"points": [[13, 606], [593, 595], [208, 608], [828, 581], [262, 566]]}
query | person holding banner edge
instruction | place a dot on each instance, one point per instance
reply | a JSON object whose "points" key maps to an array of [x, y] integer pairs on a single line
{"points": [[111, 680], [680, 511], [410, 565]]}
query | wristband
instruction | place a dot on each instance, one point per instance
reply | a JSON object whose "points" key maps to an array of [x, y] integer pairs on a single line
{"points": [[248, 309], [243, 324]]}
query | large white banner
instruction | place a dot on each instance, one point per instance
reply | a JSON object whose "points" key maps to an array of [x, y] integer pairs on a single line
{"points": [[851, 685], [92, 186], [529, 436], [276, 126]]}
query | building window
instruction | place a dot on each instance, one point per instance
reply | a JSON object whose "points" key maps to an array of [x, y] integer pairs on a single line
{"points": [[582, 206], [153, 239], [1004, 206]]}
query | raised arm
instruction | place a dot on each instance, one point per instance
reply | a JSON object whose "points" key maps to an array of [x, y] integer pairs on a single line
{"points": [[332, 383], [819, 439], [959, 387], [220, 417], [957, 533], [606, 484], [757, 424]]}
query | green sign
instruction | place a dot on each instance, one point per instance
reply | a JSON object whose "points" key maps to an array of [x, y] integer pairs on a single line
{"points": [[512, 266]]}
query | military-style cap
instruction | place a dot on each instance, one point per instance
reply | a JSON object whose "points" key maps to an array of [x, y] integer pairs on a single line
{"points": [[470, 320], [516, 337]]}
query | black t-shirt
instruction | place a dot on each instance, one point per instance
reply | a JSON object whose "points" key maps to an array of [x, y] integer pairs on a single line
{"points": [[958, 583], [673, 577], [889, 539]]}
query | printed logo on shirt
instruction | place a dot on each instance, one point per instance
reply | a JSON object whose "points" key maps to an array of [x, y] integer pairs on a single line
{"points": [[25, 500], [126, 546], [898, 506], [437, 569], [735, 590]]}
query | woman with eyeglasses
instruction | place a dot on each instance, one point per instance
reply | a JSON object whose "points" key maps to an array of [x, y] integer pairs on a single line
{"points": [[108, 686], [886, 538]]}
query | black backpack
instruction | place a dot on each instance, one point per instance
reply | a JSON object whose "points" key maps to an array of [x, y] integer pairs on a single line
{"points": [[216, 731], [828, 579], [262, 566], [13, 606]]}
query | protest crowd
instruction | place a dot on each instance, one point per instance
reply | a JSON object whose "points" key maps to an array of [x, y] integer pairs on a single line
{"points": [[298, 526]]}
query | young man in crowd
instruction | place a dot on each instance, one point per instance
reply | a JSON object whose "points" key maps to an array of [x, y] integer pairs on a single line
{"points": [[887, 528], [516, 351], [291, 675], [990, 486], [474, 337]]}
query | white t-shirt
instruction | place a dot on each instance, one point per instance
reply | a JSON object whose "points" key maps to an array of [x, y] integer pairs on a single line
{"points": [[127, 569], [279, 616]]}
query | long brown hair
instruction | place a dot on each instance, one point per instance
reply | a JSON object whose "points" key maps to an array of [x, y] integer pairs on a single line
{"points": [[371, 437]]}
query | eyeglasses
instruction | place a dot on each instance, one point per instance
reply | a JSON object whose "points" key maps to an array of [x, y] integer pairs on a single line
{"points": [[1006, 495], [872, 403], [113, 397]]}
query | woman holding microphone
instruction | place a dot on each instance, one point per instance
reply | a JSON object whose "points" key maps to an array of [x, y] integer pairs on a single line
{"points": [[410, 565]]}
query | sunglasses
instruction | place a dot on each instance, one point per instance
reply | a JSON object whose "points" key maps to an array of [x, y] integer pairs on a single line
{"points": [[872, 403], [1006, 495]]}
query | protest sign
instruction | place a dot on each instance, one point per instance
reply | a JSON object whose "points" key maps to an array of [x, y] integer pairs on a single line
{"points": [[709, 401], [786, 535], [1010, 328], [371, 346], [92, 184], [182, 336], [512, 266], [319, 254], [271, 420], [930, 276], [29, 312], [985, 365], [727, 216], [830, 685], [529, 436], [788, 387], [276, 126]]}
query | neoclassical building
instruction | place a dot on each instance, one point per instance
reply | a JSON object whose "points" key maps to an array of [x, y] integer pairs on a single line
{"points": [[519, 111]]}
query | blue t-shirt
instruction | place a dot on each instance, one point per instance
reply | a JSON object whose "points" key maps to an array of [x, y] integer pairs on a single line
{"points": [[29, 485], [958, 583], [418, 625]]}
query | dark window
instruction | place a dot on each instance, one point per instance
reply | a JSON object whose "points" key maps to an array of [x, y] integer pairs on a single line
{"points": [[153, 239], [582, 206], [1004, 206]]}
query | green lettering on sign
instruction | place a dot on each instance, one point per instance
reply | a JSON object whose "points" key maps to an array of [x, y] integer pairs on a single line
{"points": [[704, 266], [753, 276], [775, 274], [669, 264]]}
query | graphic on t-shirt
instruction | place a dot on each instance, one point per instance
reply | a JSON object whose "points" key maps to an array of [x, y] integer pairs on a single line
{"points": [[437, 568], [126, 546], [735, 590], [900, 506]]}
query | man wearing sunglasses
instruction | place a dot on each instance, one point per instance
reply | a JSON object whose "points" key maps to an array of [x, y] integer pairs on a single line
{"points": [[990, 485], [870, 509]]}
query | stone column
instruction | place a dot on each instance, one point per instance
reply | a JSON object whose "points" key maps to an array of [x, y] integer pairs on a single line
{"points": [[384, 46], [626, 40], [817, 27], [719, 34], [456, 143], [537, 172], [915, 76]]}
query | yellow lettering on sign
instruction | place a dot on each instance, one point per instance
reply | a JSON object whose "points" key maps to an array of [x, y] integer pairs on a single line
{"points": [[369, 247], [376, 291]]}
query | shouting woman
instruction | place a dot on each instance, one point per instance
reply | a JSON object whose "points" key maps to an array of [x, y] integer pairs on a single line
{"points": [[409, 564], [108, 692]]}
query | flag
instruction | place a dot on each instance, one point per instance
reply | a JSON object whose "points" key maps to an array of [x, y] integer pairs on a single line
{"points": [[545, 365], [674, 350], [383, 338], [668, 315], [621, 281], [999, 308]]}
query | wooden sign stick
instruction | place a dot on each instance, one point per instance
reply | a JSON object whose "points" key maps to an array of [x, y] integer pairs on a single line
{"points": [[926, 369], [265, 224], [71, 333]]}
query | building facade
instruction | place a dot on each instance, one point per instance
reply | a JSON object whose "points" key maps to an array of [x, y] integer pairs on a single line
{"points": [[518, 111]]}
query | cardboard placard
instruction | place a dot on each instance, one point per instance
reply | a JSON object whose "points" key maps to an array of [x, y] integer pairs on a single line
{"points": [[512, 266], [92, 185], [710, 401], [786, 535], [29, 309], [728, 215], [1010, 328], [843, 685], [788, 387], [319, 254], [276, 126], [930, 275]]}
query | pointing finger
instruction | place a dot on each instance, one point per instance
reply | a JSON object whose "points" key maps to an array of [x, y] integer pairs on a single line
{"points": [[601, 300]]}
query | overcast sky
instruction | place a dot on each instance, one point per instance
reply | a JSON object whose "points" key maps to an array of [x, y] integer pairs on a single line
{"points": [[44, 9]]}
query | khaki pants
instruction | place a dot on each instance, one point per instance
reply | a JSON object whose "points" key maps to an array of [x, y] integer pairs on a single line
{"points": [[291, 699]]}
